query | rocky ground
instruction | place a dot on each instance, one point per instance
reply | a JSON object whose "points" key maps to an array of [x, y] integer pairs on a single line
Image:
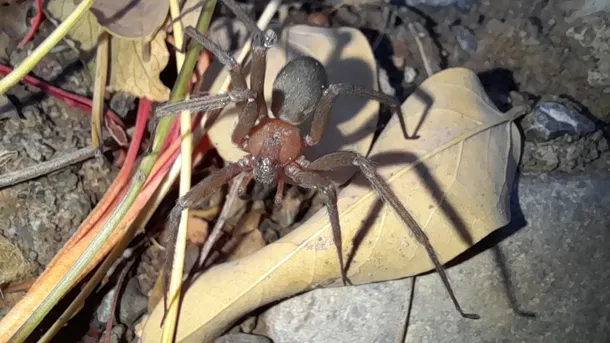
{"points": [[538, 279]]}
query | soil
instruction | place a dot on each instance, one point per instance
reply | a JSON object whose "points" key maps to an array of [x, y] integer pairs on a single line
{"points": [[538, 48]]}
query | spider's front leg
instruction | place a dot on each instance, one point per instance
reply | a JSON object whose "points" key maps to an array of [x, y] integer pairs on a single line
{"points": [[313, 180], [347, 158], [195, 196], [324, 106], [261, 41]]}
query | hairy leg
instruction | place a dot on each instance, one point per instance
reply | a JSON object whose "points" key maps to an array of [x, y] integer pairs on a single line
{"points": [[261, 41], [320, 118], [199, 193], [313, 180], [347, 158]]}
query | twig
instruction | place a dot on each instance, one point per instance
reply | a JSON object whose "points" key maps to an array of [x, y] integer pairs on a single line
{"points": [[99, 89], [186, 152], [43, 49], [115, 301], [420, 46], [44, 168], [222, 219]]}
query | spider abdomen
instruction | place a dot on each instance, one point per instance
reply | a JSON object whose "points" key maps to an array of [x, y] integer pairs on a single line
{"points": [[275, 139], [297, 89]]}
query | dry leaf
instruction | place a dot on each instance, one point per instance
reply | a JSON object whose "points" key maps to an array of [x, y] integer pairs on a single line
{"points": [[198, 230], [245, 238], [348, 58], [455, 179], [130, 19], [129, 70], [131, 73]]}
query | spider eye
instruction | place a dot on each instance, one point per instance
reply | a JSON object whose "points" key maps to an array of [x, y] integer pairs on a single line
{"points": [[265, 171]]}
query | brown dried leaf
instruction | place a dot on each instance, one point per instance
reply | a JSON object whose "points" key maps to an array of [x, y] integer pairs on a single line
{"points": [[455, 179], [198, 230], [129, 70], [130, 19], [245, 238], [132, 73], [347, 56]]}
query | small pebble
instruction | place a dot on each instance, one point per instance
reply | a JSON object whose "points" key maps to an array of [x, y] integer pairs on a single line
{"points": [[242, 338], [318, 19]]}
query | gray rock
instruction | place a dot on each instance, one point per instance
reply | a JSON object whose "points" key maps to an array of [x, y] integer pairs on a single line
{"points": [[133, 303], [121, 103], [465, 38], [117, 333], [437, 3], [551, 119], [544, 282], [242, 338], [7, 109]]}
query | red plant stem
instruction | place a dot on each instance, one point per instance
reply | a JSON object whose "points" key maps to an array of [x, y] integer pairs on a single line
{"points": [[35, 24], [121, 179], [73, 100]]}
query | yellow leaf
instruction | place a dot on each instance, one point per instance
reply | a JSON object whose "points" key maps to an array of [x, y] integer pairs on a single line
{"points": [[347, 56], [129, 71], [455, 179]]}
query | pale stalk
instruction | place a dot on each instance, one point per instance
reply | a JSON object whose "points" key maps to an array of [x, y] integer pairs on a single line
{"points": [[186, 151], [99, 89]]}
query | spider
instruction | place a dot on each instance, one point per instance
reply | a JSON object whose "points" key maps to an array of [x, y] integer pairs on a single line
{"points": [[301, 91]]}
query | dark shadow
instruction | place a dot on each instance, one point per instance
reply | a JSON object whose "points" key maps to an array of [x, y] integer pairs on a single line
{"points": [[432, 187], [498, 83], [492, 242], [364, 230]]}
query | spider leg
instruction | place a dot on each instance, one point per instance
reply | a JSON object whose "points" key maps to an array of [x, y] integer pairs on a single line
{"points": [[347, 158], [261, 41], [237, 77], [205, 103], [248, 112], [199, 193], [320, 118], [313, 180]]}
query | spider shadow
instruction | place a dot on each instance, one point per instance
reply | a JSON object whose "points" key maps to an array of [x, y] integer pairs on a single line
{"points": [[432, 186]]}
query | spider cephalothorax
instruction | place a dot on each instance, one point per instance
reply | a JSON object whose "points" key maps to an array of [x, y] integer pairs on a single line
{"points": [[301, 91]]}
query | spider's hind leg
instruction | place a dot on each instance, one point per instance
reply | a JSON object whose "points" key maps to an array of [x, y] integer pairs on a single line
{"points": [[347, 158]]}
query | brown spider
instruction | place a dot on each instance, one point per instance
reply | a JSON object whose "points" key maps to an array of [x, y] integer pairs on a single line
{"points": [[300, 91]]}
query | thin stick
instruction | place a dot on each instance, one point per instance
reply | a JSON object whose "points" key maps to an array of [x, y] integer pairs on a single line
{"points": [[222, 219], [186, 152], [115, 300], [99, 89], [44, 168], [420, 46]]}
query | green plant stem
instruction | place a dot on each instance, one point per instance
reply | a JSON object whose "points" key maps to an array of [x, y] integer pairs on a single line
{"points": [[178, 93], [43, 49]]}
